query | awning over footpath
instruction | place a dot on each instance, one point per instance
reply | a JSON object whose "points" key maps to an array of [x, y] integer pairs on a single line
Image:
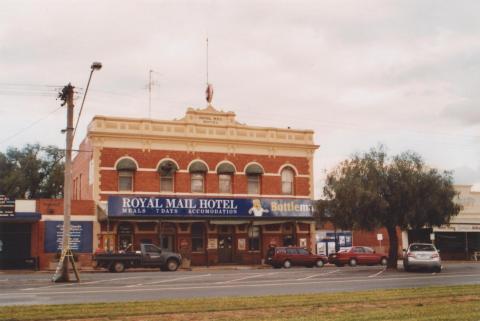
{"points": [[21, 217]]}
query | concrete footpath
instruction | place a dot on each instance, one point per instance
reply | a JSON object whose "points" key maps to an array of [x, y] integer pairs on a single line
{"points": [[226, 267], [193, 268]]}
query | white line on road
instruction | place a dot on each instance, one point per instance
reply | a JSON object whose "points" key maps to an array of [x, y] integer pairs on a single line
{"points": [[318, 274], [81, 283], [168, 280], [210, 286], [247, 277], [377, 274]]}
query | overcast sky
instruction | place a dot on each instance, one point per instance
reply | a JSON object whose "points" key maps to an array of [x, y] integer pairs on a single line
{"points": [[359, 73]]}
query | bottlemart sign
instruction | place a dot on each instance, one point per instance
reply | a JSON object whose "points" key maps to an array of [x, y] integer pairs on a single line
{"points": [[127, 206]]}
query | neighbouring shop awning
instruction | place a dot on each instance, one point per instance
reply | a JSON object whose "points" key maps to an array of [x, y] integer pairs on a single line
{"points": [[19, 217], [102, 211], [178, 220], [306, 222], [269, 222], [475, 227], [229, 222]]}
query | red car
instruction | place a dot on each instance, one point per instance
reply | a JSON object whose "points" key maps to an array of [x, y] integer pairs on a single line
{"points": [[358, 255], [289, 256]]}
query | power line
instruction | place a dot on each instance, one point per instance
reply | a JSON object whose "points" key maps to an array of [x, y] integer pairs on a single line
{"points": [[30, 125]]}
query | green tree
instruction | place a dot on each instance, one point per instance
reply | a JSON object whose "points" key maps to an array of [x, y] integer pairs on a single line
{"points": [[371, 191], [32, 172]]}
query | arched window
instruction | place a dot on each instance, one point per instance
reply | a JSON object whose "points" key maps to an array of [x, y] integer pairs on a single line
{"points": [[225, 177], [254, 173], [198, 237], [288, 176], [126, 171], [167, 170], [197, 177]]}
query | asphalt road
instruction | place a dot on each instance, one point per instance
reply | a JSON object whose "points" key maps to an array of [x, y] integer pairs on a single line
{"points": [[37, 288]]}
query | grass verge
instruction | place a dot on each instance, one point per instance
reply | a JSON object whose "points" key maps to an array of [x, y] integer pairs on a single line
{"points": [[431, 303]]}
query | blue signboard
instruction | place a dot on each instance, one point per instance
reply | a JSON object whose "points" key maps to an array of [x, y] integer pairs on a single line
{"points": [[80, 236], [135, 206], [7, 206]]}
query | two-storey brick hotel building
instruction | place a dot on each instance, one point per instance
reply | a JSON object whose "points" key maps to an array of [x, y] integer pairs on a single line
{"points": [[206, 186]]}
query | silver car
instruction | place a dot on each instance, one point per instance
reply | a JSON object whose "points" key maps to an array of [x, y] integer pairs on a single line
{"points": [[422, 255]]}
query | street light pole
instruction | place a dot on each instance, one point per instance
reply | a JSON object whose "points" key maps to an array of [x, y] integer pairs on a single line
{"points": [[94, 66], [67, 96], [67, 187]]}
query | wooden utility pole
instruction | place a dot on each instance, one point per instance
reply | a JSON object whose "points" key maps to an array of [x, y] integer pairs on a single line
{"points": [[67, 96]]}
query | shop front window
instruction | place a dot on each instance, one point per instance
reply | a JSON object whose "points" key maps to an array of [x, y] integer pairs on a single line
{"points": [[288, 240], [198, 237], [254, 238]]}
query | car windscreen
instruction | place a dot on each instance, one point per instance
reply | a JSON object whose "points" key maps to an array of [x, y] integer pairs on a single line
{"points": [[422, 247]]}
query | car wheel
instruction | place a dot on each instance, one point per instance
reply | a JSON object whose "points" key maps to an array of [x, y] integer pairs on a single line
{"points": [[287, 264], [119, 267], [384, 261], [172, 265], [437, 269], [352, 262], [319, 263]]}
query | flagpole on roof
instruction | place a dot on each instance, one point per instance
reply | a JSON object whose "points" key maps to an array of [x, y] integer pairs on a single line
{"points": [[209, 91], [207, 60]]}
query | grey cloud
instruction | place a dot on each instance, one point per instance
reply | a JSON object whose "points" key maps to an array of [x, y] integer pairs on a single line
{"points": [[466, 113]]}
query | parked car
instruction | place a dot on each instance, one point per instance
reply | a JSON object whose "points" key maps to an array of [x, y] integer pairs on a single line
{"points": [[149, 256], [290, 256], [357, 255], [422, 255]]}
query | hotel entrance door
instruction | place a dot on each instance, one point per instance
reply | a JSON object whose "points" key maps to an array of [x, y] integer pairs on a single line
{"points": [[225, 244]]}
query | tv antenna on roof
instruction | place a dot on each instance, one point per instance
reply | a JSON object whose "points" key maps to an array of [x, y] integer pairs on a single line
{"points": [[151, 83]]}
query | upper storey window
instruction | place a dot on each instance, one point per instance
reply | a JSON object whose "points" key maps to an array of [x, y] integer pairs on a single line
{"points": [[288, 176], [225, 177], [167, 170], [197, 171], [126, 171], [254, 174]]}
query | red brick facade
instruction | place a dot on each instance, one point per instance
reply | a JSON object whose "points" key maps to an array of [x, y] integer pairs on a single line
{"points": [[149, 181], [52, 209]]}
